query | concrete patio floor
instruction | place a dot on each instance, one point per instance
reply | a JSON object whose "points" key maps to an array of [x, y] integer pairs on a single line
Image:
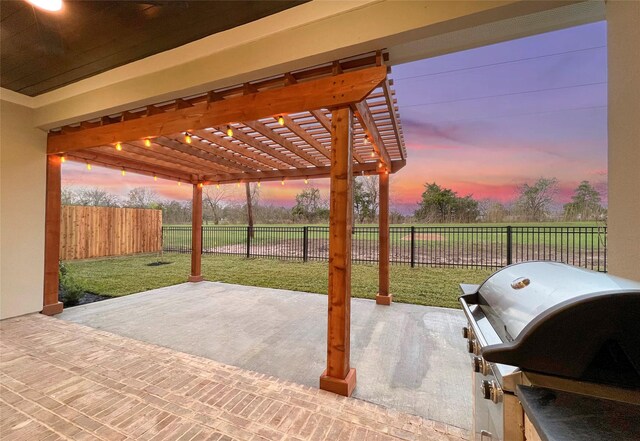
{"points": [[63, 381], [409, 358]]}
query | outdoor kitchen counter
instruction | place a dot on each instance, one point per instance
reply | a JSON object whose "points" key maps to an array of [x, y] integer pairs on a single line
{"points": [[560, 416]]}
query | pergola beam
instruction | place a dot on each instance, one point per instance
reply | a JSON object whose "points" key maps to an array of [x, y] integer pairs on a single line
{"points": [[327, 92], [120, 162], [284, 142], [263, 147], [368, 168], [369, 126], [232, 146]]}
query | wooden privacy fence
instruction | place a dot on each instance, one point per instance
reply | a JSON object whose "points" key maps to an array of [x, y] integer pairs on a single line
{"points": [[87, 232]]}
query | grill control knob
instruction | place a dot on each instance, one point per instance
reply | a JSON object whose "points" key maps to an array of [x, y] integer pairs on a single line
{"points": [[471, 345], [465, 332], [480, 366], [485, 389], [491, 391]]}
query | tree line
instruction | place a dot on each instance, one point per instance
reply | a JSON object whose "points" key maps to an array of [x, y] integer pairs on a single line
{"points": [[438, 204]]}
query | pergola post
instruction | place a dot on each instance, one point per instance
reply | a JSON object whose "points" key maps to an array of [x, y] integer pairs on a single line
{"points": [[196, 234], [383, 297], [339, 377], [51, 305]]}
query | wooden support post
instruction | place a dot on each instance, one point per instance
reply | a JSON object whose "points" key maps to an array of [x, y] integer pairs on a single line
{"points": [[383, 297], [339, 377], [50, 304], [196, 235]]}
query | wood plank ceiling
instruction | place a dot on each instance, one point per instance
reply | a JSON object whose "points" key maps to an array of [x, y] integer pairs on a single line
{"points": [[42, 51], [281, 146]]}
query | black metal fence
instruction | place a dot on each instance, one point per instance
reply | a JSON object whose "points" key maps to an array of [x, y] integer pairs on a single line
{"points": [[438, 246]]}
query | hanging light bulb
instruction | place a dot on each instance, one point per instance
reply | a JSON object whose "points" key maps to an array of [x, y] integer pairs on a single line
{"points": [[366, 139], [373, 154], [118, 146], [147, 142], [155, 177], [187, 138], [281, 120], [282, 182], [306, 180], [379, 164], [386, 172], [200, 185], [63, 158], [88, 166], [179, 183], [123, 172], [258, 184], [218, 186], [229, 131], [238, 185], [47, 5]]}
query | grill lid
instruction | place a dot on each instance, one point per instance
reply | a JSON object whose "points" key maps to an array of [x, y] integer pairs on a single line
{"points": [[562, 320], [514, 296]]}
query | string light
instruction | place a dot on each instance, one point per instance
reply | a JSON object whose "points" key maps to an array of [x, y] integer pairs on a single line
{"points": [[63, 158], [200, 185], [366, 139], [386, 172], [238, 185], [258, 184], [88, 166], [155, 177], [187, 138], [379, 164], [281, 120], [179, 183], [218, 186], [373, 154], [123, 172], [282, 182], [229, 131], [306, 180], [147, 142], [118, 146]]}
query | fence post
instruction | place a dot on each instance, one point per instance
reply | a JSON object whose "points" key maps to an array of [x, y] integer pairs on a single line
{"points": [[509, 246], [305, 243], [413, 248], [202, 239], [248, 241]]}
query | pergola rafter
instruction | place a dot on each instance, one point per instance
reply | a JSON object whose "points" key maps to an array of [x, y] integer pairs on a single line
{"points": [[336, 121]]}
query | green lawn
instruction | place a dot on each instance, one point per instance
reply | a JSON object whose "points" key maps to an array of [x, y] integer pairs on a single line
{"points": [[126, 275]]}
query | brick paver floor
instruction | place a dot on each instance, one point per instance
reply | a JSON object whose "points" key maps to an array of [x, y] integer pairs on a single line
{"points": [[60, 380]]}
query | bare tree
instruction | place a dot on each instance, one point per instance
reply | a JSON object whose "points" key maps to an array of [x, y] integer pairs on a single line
{"points": [[141, 197], [214, 197], [534, 200], [96, 197]]}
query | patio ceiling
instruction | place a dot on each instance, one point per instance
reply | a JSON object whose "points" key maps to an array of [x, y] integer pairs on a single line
{"points": [[280, 128]]}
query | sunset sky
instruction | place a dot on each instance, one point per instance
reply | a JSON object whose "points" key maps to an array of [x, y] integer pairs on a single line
{"points": [[481, 122]]}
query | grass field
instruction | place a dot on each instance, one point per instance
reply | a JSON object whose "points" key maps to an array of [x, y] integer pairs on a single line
{"points": [[126, 275]]}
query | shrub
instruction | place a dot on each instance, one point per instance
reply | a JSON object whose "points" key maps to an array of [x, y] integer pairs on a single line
{"points": [[70, 291]]}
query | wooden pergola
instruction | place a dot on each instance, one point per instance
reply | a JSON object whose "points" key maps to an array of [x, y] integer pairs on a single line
{"points": [[336, 120]]}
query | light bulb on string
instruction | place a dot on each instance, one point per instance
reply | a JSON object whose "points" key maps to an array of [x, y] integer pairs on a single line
{"points": [[63, 159], [306, 180], [123, 172], [155, 177], [218, 186], [229, 131], [118, 146], [179, 183], [281, 120], [147, 142], [282, 182], [258, 184], [187, 138], [88, 166]]}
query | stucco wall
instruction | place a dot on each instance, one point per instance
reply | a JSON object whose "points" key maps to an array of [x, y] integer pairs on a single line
{"points": [[623, 19], [22, 196]]}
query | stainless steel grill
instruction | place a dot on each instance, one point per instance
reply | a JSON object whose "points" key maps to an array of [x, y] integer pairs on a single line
{"points": [[549, 324]]}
